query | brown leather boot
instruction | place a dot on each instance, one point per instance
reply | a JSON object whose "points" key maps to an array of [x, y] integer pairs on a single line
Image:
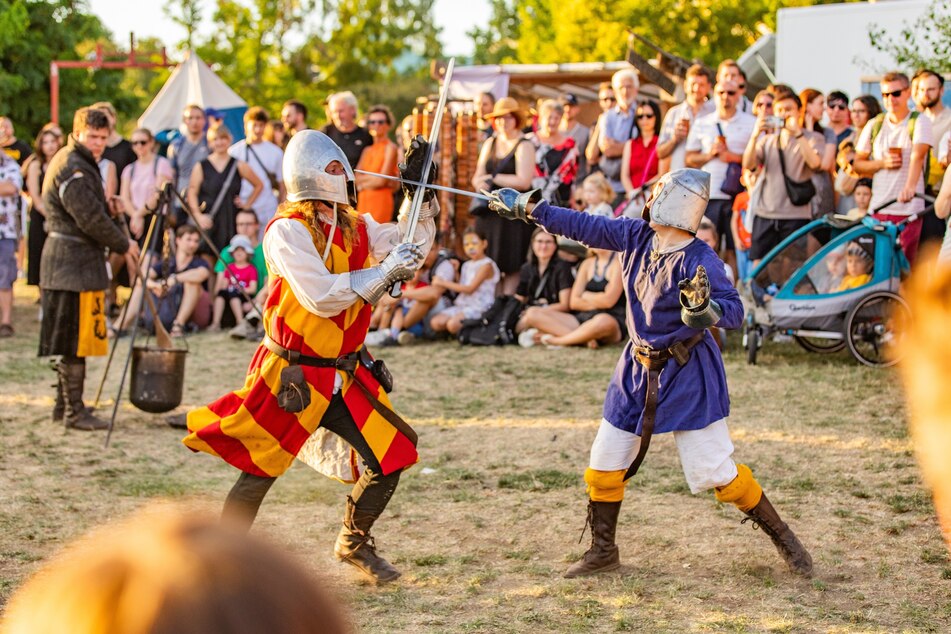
{"points": [[77, 416], [764, 516], [603, 555], [356, 547]]}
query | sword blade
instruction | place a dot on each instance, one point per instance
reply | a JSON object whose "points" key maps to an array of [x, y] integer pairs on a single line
{"points": [[443, 188]]}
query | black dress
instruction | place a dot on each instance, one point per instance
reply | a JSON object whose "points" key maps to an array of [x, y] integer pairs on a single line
{"points": [[35, 239], [509, 240], [212, 182]]}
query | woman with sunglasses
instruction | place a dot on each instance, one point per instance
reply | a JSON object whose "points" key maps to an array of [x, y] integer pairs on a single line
{"points": [[639, 161], [375, 194], [141, 182], [48, 142]]}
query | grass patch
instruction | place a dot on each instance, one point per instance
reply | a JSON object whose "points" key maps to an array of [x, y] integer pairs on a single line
{"points": [[539, 481]]}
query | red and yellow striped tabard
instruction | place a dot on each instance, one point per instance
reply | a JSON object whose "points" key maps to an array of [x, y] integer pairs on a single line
{"points": [[246, 427]]}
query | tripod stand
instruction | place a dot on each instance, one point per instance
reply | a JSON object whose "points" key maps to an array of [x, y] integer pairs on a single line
{"points": [[157, 226]]}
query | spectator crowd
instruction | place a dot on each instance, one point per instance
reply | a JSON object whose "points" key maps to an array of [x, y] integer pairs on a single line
{"points": [[777, 160]]}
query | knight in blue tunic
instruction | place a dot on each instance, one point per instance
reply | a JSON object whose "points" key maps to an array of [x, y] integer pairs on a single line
{"points": [[670, 377]]}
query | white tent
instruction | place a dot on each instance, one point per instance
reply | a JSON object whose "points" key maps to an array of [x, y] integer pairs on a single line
{"points": [[193, 81]]}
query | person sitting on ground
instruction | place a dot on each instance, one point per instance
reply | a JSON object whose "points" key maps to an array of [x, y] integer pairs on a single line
{"points": [[170, 570], [237, 281], [475, 288], [858, 263], [862, 194], [597, 308], [426, 301], [246, 224], [545, 281], [177, 288]]}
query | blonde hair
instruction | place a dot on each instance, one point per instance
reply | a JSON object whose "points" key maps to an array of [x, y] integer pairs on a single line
{"points": [[347, 221], [167, 571], [599, 181], [219, 131]]}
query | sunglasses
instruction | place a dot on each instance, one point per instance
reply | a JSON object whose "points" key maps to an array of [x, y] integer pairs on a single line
{"points": [[140, 142], [742, 86], [645, 115], [763, 104], [837, 106], [377, 122], [731, 93], [895, 94]]}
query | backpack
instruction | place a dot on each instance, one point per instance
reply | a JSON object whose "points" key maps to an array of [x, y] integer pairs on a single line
{"points": [[496, 326], [879, 121]]}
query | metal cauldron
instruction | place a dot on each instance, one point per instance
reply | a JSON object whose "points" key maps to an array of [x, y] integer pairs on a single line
{"points": [[157, 378]]}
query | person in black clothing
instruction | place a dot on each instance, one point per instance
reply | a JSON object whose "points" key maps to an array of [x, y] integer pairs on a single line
{"points": [[343, 129], [545, 281], [10, 144], [118, 149], [73, 274]]}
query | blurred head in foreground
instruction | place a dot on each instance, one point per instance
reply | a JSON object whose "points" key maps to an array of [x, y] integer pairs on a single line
{"points": [[166, 571]]}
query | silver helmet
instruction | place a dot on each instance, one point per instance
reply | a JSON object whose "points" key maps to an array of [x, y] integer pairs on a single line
{"points": [[306, 158], [679, 199]]}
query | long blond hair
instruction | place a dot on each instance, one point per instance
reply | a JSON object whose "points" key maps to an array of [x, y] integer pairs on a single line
{"points": [[347, 221]]}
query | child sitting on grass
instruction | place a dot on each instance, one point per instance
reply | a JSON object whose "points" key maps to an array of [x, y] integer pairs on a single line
{"points": [[476, 286], [237, 276]]}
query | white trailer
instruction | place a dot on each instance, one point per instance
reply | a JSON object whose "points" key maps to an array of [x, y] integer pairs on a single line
{"points": [[827, 47]]}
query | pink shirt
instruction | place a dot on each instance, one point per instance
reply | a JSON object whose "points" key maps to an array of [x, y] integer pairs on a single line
{"points": [[244, 274], [143, 179]]}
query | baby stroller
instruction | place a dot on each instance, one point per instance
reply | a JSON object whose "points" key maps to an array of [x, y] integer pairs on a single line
{"points": [[831, 284]]}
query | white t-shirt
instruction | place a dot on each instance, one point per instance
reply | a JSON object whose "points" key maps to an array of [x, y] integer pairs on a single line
{"points": [[704, 132], [887, 184], [674, 115], [271, 159]]}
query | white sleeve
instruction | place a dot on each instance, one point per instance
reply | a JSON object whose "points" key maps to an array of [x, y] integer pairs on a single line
{"points": [[943, 146], [291, 254], [384, 236]]}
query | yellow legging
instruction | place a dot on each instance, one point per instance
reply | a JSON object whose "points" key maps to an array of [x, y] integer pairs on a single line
{"points": [[744, 491], [604, 486]]}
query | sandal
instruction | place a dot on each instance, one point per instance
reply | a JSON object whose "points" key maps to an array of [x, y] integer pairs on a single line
{"points": [[177, 330]]}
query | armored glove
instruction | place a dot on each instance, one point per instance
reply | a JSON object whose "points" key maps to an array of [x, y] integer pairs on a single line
{"points": [[512, 204], [412, 167], [699, 311], [399, 265]]}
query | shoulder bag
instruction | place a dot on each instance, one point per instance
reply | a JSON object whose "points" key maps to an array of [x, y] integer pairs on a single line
{"points": [[799, 192]]}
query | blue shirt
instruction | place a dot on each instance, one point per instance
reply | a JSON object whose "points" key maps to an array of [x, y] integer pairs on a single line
{"points": [[689, 397]]}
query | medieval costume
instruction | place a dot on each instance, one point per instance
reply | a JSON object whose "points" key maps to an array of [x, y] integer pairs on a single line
{"points": [[670, 377], [311, 384], [73, 276]]}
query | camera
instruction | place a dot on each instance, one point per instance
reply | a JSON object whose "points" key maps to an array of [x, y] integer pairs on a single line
{"points": [[775, 122]]}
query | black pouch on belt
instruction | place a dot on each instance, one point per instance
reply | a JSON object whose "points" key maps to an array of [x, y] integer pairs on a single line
{"points": [[378, 369], [294, 395]]}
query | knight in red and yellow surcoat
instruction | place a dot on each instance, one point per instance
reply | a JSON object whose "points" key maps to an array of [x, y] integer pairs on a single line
{"points": [[323, 284]]}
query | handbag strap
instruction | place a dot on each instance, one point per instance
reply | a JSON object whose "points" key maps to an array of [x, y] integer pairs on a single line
{"points": [[541, 282], [224, 189], [271, 175]]}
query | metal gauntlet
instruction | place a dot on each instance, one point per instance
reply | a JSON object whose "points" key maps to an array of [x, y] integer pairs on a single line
{"points": [[429, 208], [512, 204], [699, 310], [372, 283]]}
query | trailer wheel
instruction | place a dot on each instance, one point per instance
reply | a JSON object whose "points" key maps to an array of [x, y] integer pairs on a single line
{"points": [[820, 345], [871, 329]]}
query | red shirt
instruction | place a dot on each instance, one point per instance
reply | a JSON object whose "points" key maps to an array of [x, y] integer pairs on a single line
{"points": [[643, 161]]}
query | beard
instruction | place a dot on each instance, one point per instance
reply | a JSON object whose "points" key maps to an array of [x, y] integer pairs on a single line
{"points": [[930, 103]]}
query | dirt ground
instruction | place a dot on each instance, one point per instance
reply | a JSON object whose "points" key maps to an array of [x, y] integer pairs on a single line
{"points": [[485, 525]]}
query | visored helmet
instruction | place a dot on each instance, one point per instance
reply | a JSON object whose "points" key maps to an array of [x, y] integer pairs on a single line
{"points": [[306, 158], [680, 199]]}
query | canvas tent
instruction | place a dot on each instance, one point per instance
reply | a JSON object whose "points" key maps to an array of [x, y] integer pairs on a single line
{"points": [[193, 81]]}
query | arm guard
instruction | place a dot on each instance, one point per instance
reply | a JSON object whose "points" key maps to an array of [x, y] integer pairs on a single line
{"points": [[372, 283]]}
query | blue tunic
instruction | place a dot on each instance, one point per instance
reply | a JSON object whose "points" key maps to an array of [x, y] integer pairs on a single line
{"points": [[692, 396]]}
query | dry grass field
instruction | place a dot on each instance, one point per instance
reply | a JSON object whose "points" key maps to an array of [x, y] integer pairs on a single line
{"points": [[484, 526]]}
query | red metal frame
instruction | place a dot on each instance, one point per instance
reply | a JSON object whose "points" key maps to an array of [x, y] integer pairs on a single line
{"points": [[130, 61]]}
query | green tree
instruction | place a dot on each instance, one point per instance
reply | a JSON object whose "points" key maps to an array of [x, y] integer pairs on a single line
{"points": [[32, 34], [186, 14], [925, 43], [498, 41]]}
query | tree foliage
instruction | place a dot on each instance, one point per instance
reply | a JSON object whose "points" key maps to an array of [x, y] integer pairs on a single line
{"points": [[32, 34], [545, 31], [925, 43]]}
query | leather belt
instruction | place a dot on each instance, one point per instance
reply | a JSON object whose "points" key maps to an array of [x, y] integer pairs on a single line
{"points": [[346, 363], [71, 238], [655, 361]]}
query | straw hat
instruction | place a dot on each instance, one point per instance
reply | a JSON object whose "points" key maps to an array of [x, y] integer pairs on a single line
{"points": [[504, 106]]}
